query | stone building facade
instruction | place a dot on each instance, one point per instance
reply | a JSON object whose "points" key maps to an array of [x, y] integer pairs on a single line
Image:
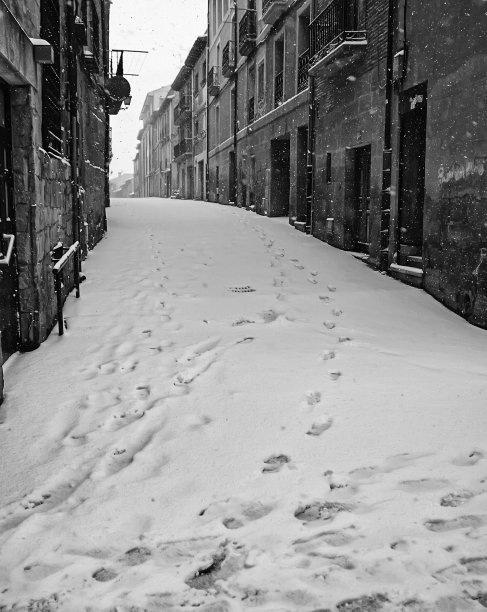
{"points": [[187, 113], [154, 166], [54, 140], [363, 122]]}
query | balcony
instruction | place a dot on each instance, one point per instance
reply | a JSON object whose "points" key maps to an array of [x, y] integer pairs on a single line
{"points": [[303, 66], [273, 9], [228, 59], [335, 35], [182, 111], [214, 81], [184, 147], [278, 90], [251, 111], [247, 32]]}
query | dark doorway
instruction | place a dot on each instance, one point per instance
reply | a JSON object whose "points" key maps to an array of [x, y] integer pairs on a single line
{"points": [[301, 170], [190, 186], [231, 178], [201, 179], [8, 272], [362, 198], [411, 172], [280, 177]]}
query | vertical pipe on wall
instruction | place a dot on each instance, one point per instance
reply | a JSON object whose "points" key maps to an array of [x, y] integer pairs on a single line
{"points": [[106, 58], [235, 104], [387, 152], [207, 171], [311, 144], [73, 114]]}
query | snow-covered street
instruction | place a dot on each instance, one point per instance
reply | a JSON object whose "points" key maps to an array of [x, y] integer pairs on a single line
{"points": [[240, 417]]}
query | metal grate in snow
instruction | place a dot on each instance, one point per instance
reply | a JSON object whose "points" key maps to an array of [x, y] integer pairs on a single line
{"points": [[241, 289]]}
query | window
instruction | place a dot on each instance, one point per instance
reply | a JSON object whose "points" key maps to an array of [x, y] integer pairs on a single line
{"points": [[213, 20], [196, 127], [203, 74], [51, 79], [196, 82], [261, 81], [328, 168], [219, 12]]}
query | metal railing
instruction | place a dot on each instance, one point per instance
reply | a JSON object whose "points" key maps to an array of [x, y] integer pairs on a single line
{"points": [[303, 65], [278, 89], [336, 23], [182, 110], [251, 111], [228, 59], [213, 83], [247, 32], [57, 270]]}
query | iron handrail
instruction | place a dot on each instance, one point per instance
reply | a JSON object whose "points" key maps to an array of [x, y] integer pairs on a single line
{"points": [[57, 270]]}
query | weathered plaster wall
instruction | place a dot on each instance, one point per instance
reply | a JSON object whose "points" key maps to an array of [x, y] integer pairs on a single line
{"points": [[448, 50]]}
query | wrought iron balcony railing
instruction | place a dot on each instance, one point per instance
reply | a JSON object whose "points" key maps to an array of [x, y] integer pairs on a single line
{"points": [[251, 111], [213, 84], [303, 65], [335, 28], [228, 59], [273, 9], [247, 32], [278, 89], [182, 111], [184, 147]]}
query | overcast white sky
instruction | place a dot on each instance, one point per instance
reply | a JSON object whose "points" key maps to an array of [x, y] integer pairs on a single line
{"points": [[165, 28]]}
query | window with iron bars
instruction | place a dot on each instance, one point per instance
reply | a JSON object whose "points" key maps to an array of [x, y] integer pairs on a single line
{"points": [[52, 107]]}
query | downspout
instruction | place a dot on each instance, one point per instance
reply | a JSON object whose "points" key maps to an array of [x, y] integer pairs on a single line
{"points": [[207, 170], [311, 143], [235, 105], [387, 152], [73, 132], [107, 115]]}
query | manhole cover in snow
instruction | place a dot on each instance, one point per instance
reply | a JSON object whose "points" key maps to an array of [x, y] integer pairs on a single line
{"points": [[241, 289]]}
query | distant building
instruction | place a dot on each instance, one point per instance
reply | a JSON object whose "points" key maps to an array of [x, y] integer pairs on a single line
{"points": [[122, 186], [54, 142], [188, 113]]}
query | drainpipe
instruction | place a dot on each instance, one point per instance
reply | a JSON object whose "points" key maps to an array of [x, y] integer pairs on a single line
{"points": [[207, 170], [387, 152], [73, 132], [311, 143], [235, 106], [107, 118]]}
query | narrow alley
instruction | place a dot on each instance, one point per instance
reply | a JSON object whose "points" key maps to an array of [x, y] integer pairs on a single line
{"points": [[240, 417]]}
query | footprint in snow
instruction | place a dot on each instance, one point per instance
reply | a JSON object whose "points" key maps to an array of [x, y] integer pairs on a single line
{"points": [[312, 280], [334, 374], [337, 312], [469, 458], [367, 603], [247, 513], [320, 511], [104, 575], [325, 298], [299, 266], [320, 425], [344, 339], [274, 463], [329, 324], [136, 556], [312, 398], [456, 499], [332, 288], [327, 355], [459, 522]]}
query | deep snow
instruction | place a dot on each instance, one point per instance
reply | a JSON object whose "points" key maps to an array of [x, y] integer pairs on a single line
{"points": [[242, 417]]}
